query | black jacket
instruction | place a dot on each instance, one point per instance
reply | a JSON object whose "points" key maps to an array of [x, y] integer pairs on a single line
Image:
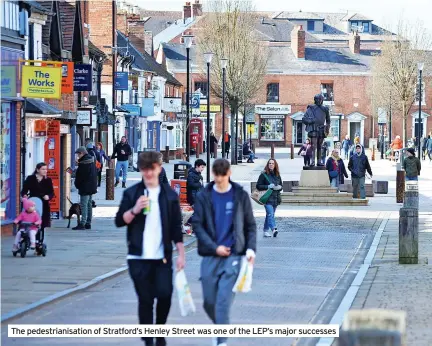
{"points": [[244, 226], [163, 177], [194, 184], [117, 152], [358, 165], [341, 167], [93, 152], [86, 176], [171, 219], [263, 184]]}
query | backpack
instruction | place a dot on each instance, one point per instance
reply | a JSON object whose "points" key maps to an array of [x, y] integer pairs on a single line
{"points": [[309, 117]]}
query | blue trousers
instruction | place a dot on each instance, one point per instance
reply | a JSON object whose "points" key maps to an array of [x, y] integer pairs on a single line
{"points": [[411, 178], [121, 165], [218, 276], [270, 223]]}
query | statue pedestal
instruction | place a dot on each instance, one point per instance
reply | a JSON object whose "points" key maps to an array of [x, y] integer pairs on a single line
{"points": [[316, 176]]}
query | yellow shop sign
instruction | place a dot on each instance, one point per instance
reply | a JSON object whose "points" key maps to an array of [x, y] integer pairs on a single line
{"points": [[41, 82], [213, 108]]}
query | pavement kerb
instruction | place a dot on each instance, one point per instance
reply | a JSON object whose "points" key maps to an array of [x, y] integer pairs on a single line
{"points": [[66, 293], [351, 293]]}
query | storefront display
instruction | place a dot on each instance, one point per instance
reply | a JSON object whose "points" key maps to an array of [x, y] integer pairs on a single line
{"points": [[272, 128], [7, 152]]}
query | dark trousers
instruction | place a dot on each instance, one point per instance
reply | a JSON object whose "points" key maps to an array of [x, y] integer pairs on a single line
{"points": [[316, 149], [306, 160], [152, 279], [99, 177]]}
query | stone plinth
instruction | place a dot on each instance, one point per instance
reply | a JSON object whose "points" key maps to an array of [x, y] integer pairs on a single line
{"points": [[380, 186], [314, 177], [411, 199]]}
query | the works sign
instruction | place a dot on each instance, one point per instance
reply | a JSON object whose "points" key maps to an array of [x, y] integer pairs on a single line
{"points": [[41, 82]]}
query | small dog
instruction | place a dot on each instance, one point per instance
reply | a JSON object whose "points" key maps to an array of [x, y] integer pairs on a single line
{"points": [[75, 209]]}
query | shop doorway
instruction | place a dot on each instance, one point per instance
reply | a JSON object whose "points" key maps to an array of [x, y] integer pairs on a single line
{"points": [[355, 128]]}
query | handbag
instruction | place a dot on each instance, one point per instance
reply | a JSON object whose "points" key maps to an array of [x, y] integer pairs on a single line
{"points": [[333, 174], [303, 153], [261, 197]]}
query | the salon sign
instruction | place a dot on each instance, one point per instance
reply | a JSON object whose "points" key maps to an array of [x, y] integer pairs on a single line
{"points": [[8, 81], [41, 82]]}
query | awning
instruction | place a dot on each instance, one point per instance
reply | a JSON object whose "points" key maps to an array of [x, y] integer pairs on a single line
{"points": [[35, 107]]}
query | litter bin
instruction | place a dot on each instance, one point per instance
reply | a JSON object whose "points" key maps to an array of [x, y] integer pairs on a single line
{"points": [[180, 168], [240, 154]]}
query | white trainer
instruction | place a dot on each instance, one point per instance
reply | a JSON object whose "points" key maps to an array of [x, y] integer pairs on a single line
{"points": [[267, 234]]}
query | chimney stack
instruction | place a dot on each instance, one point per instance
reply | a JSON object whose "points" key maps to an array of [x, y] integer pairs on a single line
{"points": [[354, 43], [298, 42], [140, 38], [187, 11], [197, 10]]}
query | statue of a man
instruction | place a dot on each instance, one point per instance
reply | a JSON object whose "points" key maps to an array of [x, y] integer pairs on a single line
{"points": [[317, 121]]}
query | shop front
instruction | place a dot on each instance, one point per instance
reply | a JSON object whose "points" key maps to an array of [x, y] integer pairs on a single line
{"points": [[273, 124], [10, 136]]}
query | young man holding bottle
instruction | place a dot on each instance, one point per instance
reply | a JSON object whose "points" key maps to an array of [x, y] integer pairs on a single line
{"points": [[151, 212]]}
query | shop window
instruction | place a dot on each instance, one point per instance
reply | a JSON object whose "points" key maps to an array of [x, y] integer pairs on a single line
{"points": [[7, 169], [334, 129], [273, 92], [327, 91], [272, 129], [202, 86]]}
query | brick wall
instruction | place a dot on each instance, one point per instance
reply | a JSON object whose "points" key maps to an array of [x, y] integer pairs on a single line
{"points": [[100, 20]]}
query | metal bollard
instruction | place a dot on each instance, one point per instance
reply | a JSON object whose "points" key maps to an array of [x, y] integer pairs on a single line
{"points": [[166, 154], [197, 151], [408, 236], [272, 151], [292, 151], [400, 186], [373, 153], [110, 174]]}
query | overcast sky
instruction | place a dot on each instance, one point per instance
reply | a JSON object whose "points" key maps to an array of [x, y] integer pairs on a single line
{"points": [[383, 12]]}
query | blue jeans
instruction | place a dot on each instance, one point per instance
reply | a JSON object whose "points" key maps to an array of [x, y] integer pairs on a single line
{"points": [[270, 223], [411, 178], [86, 209], [359, 184], [121, 165], [335, 182]]}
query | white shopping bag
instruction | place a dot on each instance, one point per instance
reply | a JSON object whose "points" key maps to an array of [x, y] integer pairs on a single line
{"points": [[187, 305], [244, 279]]}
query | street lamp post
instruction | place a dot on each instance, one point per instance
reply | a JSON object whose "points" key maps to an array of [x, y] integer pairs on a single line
{"points": [[224, 63], [420, 66], [208, 58], [187, 39]]}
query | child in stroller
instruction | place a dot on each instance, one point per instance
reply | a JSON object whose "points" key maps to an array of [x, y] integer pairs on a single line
{"points": [[28, 223]]}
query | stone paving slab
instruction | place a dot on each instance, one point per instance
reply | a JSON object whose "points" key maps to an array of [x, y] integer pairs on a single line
{"points": [[388, 285]]}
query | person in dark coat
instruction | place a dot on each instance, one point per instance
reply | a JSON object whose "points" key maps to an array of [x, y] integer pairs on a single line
{"points": [[194, 182], [213, 141], [270, 179], [163, 177], [39, 185], [86, 183], [307, 152], [227, 143], [336, 169], [358, 165]]}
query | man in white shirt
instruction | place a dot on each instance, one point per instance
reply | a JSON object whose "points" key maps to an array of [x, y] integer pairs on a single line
{"points": [[152, 214]]}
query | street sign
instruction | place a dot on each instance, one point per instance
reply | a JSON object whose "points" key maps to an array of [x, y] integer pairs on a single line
{"points": [[195, 101], [121, 81], [196, 112]]}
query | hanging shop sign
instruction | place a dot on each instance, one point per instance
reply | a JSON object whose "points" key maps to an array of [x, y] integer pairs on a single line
{"points": [[41, 82], [52, 158], [84, 116], [195, 100], [273, 109], [40, 128], [82, 77], [67, 78], [121, 81], [8, 81]]}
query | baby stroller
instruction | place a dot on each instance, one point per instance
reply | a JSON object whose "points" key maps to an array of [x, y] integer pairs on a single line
{"points": [[24, 244]]}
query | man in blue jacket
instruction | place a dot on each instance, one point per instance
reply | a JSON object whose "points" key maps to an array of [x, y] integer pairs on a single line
{"points": [[358, 165], [226, 230]]}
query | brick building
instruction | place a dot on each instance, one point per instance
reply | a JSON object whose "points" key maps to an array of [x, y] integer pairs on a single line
{"points": [[309, 53]]}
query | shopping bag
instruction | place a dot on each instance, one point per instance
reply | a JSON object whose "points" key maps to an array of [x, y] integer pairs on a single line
{"points": [[244, 279], [261, 197], [187, 305]]}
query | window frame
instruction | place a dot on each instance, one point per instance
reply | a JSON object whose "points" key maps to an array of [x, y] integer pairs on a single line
{"points": [[204, 88], [328, 86], [313, 25], [368, 26], [269, 97]]}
